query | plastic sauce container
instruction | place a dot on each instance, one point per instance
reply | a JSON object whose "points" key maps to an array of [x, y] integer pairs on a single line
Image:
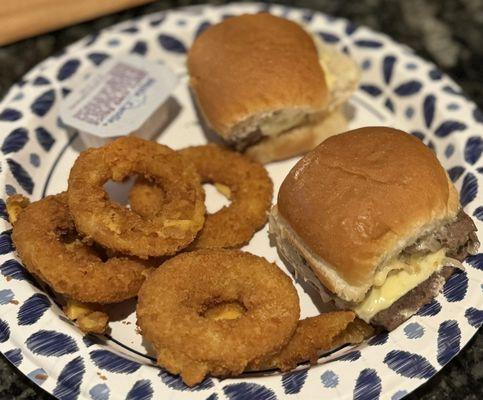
{"points": [[124, 96]]}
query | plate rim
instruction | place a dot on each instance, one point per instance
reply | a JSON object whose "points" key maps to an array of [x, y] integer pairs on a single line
{"points": [[118, 26]]}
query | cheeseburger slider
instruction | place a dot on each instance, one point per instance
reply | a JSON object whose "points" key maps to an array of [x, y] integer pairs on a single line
{"points": [[371, 219], [269, 88]]}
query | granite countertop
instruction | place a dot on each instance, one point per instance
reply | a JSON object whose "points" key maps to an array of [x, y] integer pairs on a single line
{"points": [[448, 32]]}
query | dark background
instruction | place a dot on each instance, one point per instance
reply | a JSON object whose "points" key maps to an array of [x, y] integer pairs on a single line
{"points": [[447, 32]]}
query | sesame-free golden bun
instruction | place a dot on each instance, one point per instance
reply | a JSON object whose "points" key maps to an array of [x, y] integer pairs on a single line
{"points": [[269, 88], [254, 64], [357, 200]]}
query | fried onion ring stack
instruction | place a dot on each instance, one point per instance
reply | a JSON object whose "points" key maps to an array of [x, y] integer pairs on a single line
{"points": [[92, 251], [118, 228], [254, 326], [209, 309], [249, 187]]}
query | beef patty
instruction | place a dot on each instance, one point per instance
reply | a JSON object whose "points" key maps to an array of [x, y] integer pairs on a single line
{"points": [[460, 239], [412, 301]]}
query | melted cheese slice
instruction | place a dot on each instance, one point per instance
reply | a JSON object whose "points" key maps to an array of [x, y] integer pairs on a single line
{"points": [[396, 279], [329, 77]]}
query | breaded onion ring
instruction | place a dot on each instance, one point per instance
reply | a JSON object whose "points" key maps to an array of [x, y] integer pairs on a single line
{"points": [[73, 269], [118, 228], [250, 191], [313, 336], [173, 300]]}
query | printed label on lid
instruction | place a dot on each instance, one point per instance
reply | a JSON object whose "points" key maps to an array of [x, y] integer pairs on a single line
{"points": [[119, 97]]}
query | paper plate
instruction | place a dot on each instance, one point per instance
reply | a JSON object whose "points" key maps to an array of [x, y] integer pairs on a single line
{"points": [[398, 89]]}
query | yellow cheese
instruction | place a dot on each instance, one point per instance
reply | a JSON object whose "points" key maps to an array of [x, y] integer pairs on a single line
{"points": [[329, 77], [402, 276], [223, 189]]}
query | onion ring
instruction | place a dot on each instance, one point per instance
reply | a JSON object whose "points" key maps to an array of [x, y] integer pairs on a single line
{"points": [[313, 336], [172, 301], [73, 269], [118, 228], [250, 194]]}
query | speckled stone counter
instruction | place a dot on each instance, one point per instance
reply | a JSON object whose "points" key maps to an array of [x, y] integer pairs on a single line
{"points": [[448, 32]]}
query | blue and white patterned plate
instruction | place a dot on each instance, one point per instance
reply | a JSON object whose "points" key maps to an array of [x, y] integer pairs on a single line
{"points": [[398, 89]]}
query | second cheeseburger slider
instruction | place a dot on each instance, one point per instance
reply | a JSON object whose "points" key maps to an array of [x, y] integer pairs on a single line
{"points": [[371, 219], [269, 88]]}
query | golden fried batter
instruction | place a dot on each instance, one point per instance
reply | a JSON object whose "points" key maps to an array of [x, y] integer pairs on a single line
{"points": [[173, 300], [245, 182], [88, 317], [146, 199], [46, 241], [313, 336], [15, 204], [118, 228]]}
